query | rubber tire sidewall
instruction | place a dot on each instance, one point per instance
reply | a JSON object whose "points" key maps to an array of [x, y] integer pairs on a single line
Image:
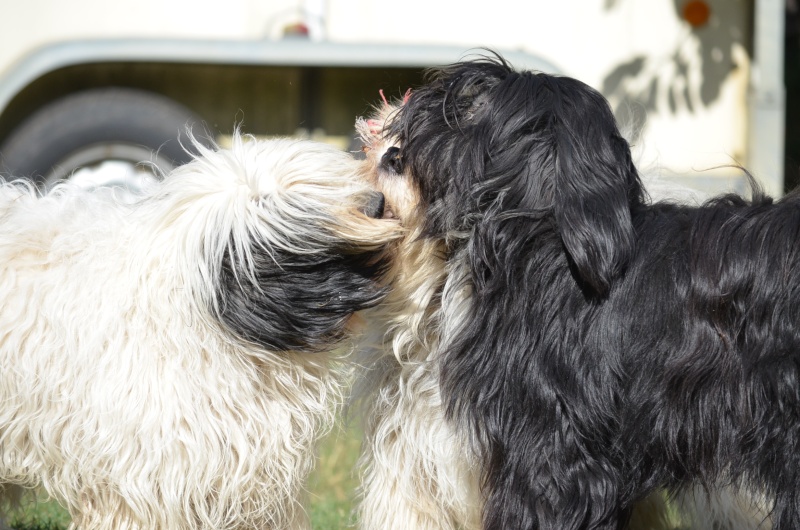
{"points": [[97, 116]]}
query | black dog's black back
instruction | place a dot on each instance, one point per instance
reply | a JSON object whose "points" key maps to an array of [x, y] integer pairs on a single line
{"points": [[720, 339]]}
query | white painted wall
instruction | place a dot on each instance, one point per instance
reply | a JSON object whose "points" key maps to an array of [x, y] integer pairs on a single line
{"points": [[686, 133]]}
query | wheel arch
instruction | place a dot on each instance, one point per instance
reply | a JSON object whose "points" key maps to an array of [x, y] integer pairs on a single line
{"points": [[59, 69]]}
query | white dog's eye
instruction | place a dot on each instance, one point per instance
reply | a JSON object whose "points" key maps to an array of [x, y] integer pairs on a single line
{"points": [[392, 161]]}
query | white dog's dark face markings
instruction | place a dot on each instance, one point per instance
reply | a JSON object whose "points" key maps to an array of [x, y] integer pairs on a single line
{"points": [[311, 252], [298, 301]]}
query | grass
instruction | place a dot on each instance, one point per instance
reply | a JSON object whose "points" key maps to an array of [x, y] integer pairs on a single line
{"points": [[333, 483], [39, 514], [331, 489]]}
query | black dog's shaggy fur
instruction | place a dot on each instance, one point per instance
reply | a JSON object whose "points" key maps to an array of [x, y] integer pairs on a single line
{"points": [[611, 346]]}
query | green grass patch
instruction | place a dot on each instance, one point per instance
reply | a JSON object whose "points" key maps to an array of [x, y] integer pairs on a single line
{"points": [[39, 513], [332, 484]]}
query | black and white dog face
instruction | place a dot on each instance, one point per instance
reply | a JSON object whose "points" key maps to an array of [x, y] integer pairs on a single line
{"points": [[590, 344]]}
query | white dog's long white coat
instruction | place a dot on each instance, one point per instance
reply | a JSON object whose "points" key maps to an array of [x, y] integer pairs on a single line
{"points": [[120, 393]]}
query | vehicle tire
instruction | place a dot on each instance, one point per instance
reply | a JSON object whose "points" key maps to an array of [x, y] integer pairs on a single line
{"points": [[87, 128]]}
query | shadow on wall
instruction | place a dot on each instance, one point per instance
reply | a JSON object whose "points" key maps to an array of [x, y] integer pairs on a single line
{"points": [[692, 73]]}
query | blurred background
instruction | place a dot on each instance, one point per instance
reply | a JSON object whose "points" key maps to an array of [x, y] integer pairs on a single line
{"points": [[89, 89], [699, 84]]}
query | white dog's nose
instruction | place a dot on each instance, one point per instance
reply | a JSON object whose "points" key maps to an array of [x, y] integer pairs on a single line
{"points": [[374, 205]]}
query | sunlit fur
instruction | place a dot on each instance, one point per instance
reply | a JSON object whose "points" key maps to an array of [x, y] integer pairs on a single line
{"points": [[419, 469], [612, 346], [415, 471], [167, 364]]}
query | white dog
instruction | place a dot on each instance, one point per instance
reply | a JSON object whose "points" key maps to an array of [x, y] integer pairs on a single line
{"points": [[166, 364]]}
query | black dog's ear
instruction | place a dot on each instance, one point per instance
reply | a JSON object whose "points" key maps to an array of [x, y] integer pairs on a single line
{"points": [[595, 185], [593, 214]]}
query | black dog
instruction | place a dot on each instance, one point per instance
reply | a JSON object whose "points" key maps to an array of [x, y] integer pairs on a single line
{"points": [[611, 346]]}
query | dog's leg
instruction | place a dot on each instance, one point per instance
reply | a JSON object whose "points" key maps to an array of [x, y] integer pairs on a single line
{"points": [[415, 471], [573, 494], [724, 508]]}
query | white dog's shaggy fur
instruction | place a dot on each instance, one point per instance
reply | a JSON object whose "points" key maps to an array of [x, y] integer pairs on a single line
{"points": [[418, 473], [166, 364]]}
